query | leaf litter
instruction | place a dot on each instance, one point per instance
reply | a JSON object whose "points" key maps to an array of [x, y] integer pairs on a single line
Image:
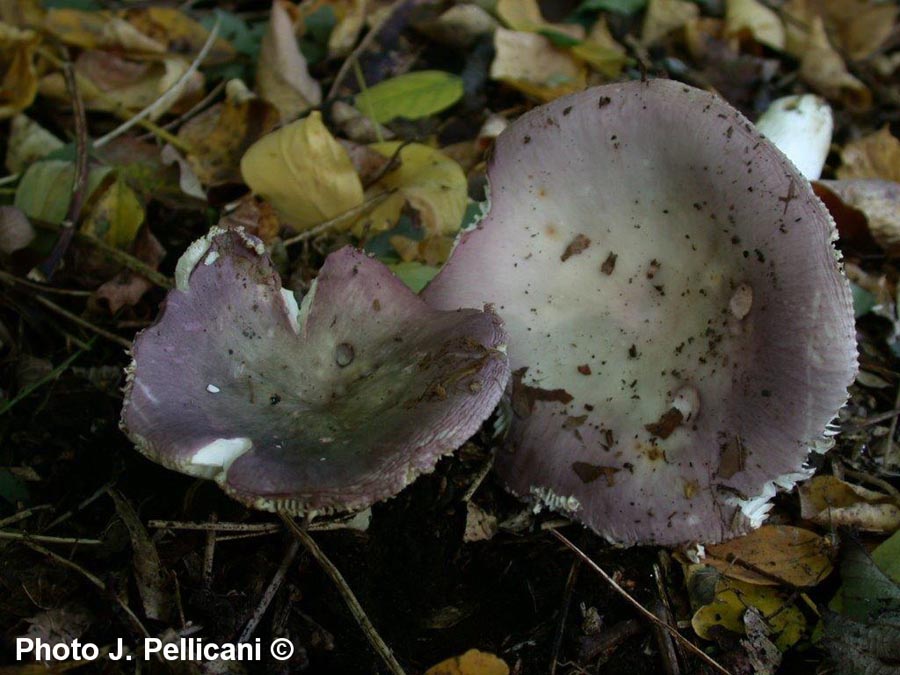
{"points": [[245, 132]]}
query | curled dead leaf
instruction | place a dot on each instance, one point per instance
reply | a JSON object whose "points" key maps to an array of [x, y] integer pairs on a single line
{"points": [[832, 502], [876, 203], [282, 76], [751, 19], [874, 156], [823, 69]]}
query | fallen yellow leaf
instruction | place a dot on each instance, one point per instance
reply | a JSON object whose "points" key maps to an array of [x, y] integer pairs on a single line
{"points": [[20, 80], [429, 181], [751, 18], [115, 216], [525, 15], [823, 69], [99, 30], [178, 32], [774, 554], [530, 63], [874, 156], [600, 51], [784, 620], [831, 502], [473, 662], [303, 172], [351, 15], [664, 16]]}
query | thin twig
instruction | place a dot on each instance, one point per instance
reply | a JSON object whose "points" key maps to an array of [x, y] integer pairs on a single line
{"points": [[127, 260], [27, 536], [214, 526], [367, 40], [169, 95], [96, 581], [270, 591], [316, 230], [52, 375], [352, 603], [43, 288], [87, 501], [634, 603], [84, 323], [392, 164], [564, 614], [209, 556], [79, 181], [23, 515]]}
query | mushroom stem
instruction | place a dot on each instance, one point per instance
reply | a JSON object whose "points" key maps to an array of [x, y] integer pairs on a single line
{"points": [[800, 126], [352, 603]]}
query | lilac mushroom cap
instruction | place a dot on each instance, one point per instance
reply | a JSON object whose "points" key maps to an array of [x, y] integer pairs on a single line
{"points": [[681, 332], [327, 406]]}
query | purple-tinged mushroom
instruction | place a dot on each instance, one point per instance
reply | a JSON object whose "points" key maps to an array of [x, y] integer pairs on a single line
{"points": [[681, 333], [328, 406]]}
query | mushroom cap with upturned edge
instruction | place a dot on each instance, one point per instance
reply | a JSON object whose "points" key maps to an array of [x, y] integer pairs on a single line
{"points": [[681, 332], [327, 406]]}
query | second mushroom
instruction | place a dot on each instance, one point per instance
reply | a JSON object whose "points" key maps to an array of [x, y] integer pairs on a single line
{"points": [[681, 332]]}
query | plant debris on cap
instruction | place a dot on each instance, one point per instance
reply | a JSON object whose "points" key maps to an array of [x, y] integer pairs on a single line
{"points": [[332, 405], [681, 332]]}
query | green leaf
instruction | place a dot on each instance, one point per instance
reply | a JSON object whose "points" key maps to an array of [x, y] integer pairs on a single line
{"points": [[413, 95], [617, 6], [863, 300], [887, 556], [12, 489], [559, 39], [414, 274], [46, 189]]}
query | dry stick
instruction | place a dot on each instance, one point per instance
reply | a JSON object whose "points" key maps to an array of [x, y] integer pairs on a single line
{"points": [[127, 260], [209, 555], [708, 660], [360, 48], [65, 562], [270, 591], [168, 96], [217, 527], [352, 603], [84, 323], [23, 515], [564, 614], [79, 182], [27, 536], [316, 230], [80, 507], [664, 641], [44, 288]]}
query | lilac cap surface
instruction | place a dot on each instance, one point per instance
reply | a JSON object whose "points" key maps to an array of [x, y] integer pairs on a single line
{"points": [[681, 332], [330, 405]]}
